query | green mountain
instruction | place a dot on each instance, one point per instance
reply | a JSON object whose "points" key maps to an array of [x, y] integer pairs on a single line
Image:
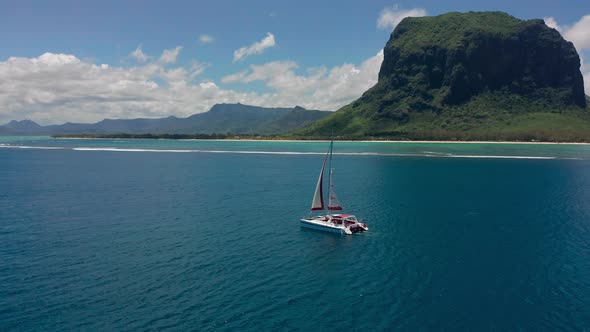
{"points": [[296, 118], [477, 75], [245, 119], [221, 119]]}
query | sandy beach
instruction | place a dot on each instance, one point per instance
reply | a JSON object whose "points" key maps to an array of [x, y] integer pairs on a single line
{"points": [[389, 141]]}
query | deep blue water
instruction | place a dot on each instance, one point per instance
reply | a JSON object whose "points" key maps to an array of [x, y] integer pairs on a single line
{"points": [[112, 240]]}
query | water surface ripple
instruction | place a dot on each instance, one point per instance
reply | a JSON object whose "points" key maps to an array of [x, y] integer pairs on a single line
{"points": [[113, 240]]}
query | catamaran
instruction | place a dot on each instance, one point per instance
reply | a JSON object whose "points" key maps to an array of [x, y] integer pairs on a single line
{"points": [[336, 223]]}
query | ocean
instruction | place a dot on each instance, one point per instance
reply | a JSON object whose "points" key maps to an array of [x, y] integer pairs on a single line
{"points": [[205, 235]]}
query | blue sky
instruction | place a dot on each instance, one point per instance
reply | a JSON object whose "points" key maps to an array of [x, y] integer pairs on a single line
{"points": [[291, 50]]}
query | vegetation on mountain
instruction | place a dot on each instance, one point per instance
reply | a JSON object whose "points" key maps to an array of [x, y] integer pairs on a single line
{"points": [[221, 119], [469, 76]]}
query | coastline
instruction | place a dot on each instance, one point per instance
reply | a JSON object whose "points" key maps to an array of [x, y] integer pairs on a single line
{"points": [[389, 141], [336, 140]]}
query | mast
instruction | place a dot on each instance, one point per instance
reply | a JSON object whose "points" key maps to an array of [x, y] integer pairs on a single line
{"points": [[330, 175], [333, 203], [318, 198]]}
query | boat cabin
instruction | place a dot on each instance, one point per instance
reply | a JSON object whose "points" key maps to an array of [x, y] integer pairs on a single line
{"points": [[346, 218]]}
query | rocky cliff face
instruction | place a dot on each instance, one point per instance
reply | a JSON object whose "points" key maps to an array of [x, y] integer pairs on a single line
{"points": [[430, 62], [477, 75]]}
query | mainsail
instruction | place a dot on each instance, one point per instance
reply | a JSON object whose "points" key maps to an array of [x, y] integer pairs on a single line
{"points": [[333, 203], [318, 197]]}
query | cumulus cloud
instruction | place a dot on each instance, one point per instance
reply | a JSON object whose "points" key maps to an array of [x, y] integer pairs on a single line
{"points": [[57, 88], [319, 88], [552, 23], [206, 39], [256, 48], [139, 55], [579, 35], [390, 17], [169, 56], [265, 72], [208, 85]]}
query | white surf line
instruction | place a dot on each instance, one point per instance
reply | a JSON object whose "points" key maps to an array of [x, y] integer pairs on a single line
{"points": [[247, 152], [427, 154], [131, 150], [32, 147], [263, 152], [195, 151], [497, 157], [448, 155]]}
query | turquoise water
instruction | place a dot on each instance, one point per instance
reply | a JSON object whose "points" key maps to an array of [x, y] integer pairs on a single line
{"points": [[206, 236], [407, 149]]}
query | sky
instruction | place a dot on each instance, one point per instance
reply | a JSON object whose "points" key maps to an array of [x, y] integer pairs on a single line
{"points": [[83, 61]]}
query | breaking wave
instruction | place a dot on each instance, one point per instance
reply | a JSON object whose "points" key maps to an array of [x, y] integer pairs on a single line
{"points": [[428, 154]]}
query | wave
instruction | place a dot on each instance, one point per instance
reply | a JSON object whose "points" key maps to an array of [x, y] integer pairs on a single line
{"points": [[428, 154], [130, 150], [503, 157], [32, 147]]}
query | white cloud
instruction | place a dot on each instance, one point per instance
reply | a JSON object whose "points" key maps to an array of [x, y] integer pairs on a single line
{"points": [[552, 23], [319, 89], [196, 69], [256, 48], [139, 55], [57, 88], [389, 18], [237, 77], [265, 72], [169, 56], [579, 35], [208, 85], [206, 39], [54, 60]]}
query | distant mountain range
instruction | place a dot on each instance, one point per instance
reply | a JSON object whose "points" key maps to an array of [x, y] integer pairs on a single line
{"points": [[221, 119]]}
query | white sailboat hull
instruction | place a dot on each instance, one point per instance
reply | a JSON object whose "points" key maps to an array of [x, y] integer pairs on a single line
{"points": [[325, 226], [345, 224], [334, 223]]}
